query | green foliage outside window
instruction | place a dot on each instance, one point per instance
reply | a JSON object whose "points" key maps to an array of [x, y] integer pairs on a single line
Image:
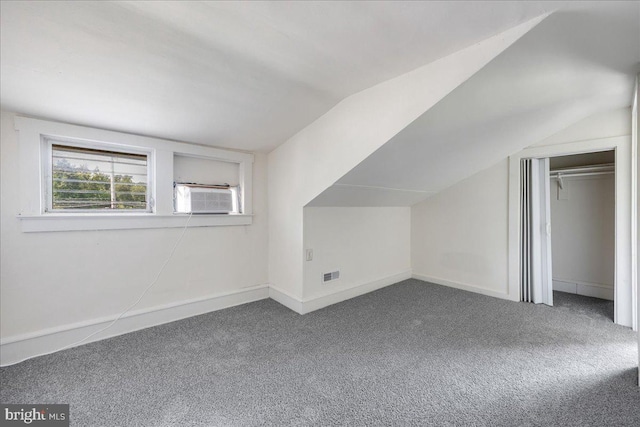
{"points": [[76, 187]]}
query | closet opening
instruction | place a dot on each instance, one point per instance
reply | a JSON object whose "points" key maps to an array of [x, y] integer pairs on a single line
{"points": [[568, 232], [531, 228], [583, 221]]}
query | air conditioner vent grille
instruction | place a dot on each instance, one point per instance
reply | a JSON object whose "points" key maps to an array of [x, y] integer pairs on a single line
{"points": [[202, 199], [211, 202]]}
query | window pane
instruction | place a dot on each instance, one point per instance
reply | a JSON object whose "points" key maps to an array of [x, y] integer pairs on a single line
{"points": [[90, 179]]}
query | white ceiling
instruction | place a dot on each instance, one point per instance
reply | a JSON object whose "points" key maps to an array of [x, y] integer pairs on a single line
{"points": [[579, 61], [243, 75], [249, 75]]}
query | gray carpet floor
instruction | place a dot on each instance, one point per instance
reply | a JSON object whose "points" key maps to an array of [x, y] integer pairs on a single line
{"points": [[410, 354]]}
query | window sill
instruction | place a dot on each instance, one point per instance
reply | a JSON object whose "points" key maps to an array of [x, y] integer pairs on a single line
{"points": [[86, 222]]}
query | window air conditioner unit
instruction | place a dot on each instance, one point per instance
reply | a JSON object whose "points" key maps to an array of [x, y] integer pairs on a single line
{"points": [[200, 198]]}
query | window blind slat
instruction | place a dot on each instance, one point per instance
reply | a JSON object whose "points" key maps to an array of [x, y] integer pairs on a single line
{"points": [[85, 170], [143, 184]]}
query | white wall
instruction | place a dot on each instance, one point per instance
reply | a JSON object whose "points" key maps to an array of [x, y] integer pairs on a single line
{"points": [[323, 152], [60, 279], [365, 244], [604, 125], [583, 235], [459, 236]]}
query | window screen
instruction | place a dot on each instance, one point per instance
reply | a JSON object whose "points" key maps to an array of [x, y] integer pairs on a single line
{"points": [[93, 179]]}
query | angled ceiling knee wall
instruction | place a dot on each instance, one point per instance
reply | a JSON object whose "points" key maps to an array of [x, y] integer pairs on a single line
{"points": [[323, 152]]}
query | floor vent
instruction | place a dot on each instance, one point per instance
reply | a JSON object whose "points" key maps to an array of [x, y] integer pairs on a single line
{"points": [[334, 275]]}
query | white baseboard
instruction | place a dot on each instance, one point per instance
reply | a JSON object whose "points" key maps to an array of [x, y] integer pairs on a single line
{"points": [[462, 286], [562, 286], [20, 347], [307, 305], [318, 302], [286, 299], [595, 290], [17, 348]]}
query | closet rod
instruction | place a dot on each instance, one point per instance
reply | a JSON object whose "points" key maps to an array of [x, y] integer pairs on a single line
{"points": [[555, 175], [581, 170]]}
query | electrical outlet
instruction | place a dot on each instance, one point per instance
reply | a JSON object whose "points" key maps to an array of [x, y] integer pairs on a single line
{"points": [[309, 255]]}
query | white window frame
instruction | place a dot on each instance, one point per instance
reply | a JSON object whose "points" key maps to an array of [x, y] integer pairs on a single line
{"points": [[47, 165], [32, 136]]}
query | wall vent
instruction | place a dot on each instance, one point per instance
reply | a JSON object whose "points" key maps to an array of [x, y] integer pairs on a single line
{"points": [[327, 277]]}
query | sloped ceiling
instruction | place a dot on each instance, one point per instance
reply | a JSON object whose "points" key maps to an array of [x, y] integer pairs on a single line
{"points": [[579, 61], [249, 75], [243, 75]]}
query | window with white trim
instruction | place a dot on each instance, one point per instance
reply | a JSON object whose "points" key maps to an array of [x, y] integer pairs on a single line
{"points": [[76, 178], [96, 178]]}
